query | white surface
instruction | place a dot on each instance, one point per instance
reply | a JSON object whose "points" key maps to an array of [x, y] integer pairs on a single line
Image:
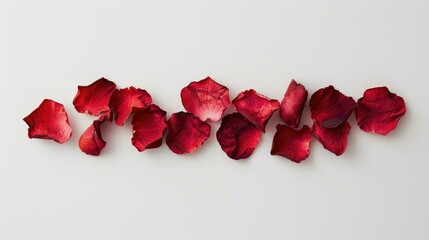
{"points": [[376, 190]]}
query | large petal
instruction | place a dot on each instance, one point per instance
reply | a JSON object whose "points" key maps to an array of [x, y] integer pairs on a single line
{"points": [[126, 101], [291, 143], [332, 139], [94, 98], [293, 104]]}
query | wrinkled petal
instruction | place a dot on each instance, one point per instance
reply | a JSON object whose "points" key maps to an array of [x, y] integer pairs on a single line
{"points": [[256, 107], [379, 110], [332, 139], [149, 126], [94, 98], [186, 132], [291, 143], [91, 141], [293, 104], [206, 99], [126, 101], [49, 121], [237, 136], [330, 108]]}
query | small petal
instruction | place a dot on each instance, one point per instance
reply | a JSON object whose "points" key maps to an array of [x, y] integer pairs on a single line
{"points": [[149, 126], [206, 99], [91, 141], [49, 121], [330, 108], [256, 107], [332, 139], [292, 144], [237, 136], [94, 98], [379, 110], [126, 101], [293, 104], [186, 132]]}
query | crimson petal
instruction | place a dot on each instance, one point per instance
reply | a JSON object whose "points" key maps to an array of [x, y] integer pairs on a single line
{"points": [[91, 141], [186, 132], [256, 107], [206, 99], [291, 143], [49, 121], [330, 108], [94, 98], [379, 110], [237, 136], [126, 101], [293, 104], [149, 126], [332, 139]]}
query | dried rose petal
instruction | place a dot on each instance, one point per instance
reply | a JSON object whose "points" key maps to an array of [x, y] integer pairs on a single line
{"points": [[330, 108], [237, 136], [94, 98], [379, 110], [149, 126], [256, 107], [206, 99], [91, 141], [332, 139], [186, 132], [292, 144], [49, 121], [293, 104], [126, 101]]}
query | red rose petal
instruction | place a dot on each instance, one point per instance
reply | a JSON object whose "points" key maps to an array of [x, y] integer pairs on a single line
{"points": [[332, 139], [206, 99], [379, 110], [49, 121], [237, 136], [330, 108], [186, 132], [256, 107], [126, 101], [292, 144], [293, 104], [94, 98], [149, 126], [91, 141]]}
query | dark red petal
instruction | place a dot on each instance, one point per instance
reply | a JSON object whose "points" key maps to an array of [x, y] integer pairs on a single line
{"points": [[293, 104], [186, 132], [206, 99], [379, 110], [256, 107], [149, 126], [291, 143], [126, 101], [49, 121], [91, 141], [332, 139], [94, 98], [237, 136], [330, 108]]}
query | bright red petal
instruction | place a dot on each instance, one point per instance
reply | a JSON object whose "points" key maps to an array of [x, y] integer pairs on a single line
{"points": [[293, 104], [206, 99], [186, 132], [237, 136], [292, 144], [126, 101], [91, 141], [149, 126], [257, 108], [94, 98], [49, 121], [332, 139], [379, 110], [330, 108]]}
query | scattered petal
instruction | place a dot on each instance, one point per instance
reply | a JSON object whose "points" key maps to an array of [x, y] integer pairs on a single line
{"points": [[332, 139], [291, 143], [379, 110], [49, 121], [186, 132], [126, 101], [91, 141], [149, 126], [293, 104], [206, 99], [237, 136], [94, 98], [256, 107]]}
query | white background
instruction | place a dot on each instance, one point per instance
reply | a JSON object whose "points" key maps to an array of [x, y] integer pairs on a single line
{"points": [[377, 190]]}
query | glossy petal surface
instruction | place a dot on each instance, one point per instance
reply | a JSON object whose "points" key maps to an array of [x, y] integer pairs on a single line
{"points": [[126, 101], [91, 141], [332, 139], [149, 126], [293, 104], [94, 98], [291, 143]]}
